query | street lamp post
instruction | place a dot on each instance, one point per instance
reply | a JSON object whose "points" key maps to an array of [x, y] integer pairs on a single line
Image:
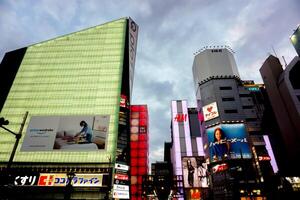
{"points": [[69, 186], [17, 135], [7, 181]]}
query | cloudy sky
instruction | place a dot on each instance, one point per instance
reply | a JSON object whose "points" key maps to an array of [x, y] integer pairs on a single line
{"points": [[170, 32]]}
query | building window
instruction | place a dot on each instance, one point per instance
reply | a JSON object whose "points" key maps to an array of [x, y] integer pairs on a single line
{"points": [[231, 111], [228, 99], [226, 88], [294, 76], [247, 107], [245, 95], [250, 119]]}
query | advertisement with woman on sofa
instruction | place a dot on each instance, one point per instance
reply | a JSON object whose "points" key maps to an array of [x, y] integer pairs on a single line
{"points": [[71, 133]]}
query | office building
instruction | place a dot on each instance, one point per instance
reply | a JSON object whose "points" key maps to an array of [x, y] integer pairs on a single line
{"points": [[283, 93], [232, 123], [83, 79], [162, 178]]}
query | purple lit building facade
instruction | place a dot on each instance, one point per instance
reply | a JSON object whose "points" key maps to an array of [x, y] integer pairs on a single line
{"points": [[187, 147]]}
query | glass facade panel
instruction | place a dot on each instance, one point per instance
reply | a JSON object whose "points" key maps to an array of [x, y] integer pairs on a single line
{"points": [[76, 74]]}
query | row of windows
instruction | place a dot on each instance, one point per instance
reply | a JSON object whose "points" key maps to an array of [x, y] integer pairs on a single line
{"points": [[226, 88], [63, 49], [90, 52], [228, 99], [99, 67], [73, 59]]}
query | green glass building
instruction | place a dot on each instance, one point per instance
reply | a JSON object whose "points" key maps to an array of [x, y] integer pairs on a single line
{"points": [[80, 74]]}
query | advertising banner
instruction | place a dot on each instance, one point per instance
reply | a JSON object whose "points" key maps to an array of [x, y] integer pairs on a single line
{"points": [[228, 141], [195, 172], [79, 180], [210, 111], [66, 133], [120, 194]]}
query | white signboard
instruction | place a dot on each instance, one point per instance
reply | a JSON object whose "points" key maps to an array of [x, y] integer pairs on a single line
{"points": [[70, 133], [210, 111], [122, 167], [121, 187], [119, 194]]}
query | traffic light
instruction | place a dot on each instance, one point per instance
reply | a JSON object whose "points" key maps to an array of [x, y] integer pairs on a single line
{"points": [[3, 121]]}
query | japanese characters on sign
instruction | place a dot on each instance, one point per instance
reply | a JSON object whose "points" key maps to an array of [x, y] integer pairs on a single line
{"points": [[210, 111], [59, 179], [26, 180]]}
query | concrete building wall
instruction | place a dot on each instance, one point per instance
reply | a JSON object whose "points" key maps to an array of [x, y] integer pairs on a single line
{"points": [[213, 62], [280, 95]]}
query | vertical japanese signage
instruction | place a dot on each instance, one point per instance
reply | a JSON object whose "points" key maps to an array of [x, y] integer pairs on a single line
{"points": [[121, 182], [133, 36]]}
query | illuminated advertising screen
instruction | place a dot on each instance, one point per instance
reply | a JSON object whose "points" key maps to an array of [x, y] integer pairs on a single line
{"points": [[210, 111], [228, 141], [295, 39], [195, 172], [79, 180], [69, 133]]}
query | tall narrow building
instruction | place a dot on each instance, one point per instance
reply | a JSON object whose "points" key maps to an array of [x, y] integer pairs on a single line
{"points": [[283, 93], [189, 166], [139, 149], [77, 90]]}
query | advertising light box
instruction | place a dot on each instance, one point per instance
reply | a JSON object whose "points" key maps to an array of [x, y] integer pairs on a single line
{"points": [[228, 141], [66, 133], [210, 111], [79, 180], [195, 173]]}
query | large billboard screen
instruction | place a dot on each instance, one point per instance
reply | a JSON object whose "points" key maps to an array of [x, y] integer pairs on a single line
{"points": [[228, 141], [295, 39], [69, 133], [195, 172]]}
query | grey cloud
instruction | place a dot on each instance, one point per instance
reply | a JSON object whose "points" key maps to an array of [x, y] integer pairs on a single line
{"points": [[170, 32]]}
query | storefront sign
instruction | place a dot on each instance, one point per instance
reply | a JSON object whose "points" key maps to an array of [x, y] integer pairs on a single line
{"points": [[79, 180], [118, 194], [123, 177], [121, 187], [26, 180], [210, 111], [122, 167]]}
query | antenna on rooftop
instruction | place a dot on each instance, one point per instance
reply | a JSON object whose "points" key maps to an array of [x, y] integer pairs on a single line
{"points": [[274, 51], [284, 61]]}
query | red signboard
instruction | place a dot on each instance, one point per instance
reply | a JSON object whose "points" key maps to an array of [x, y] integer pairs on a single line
{"points": [[264, 158], [180, 117], [123, 177], [220, 168]]}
